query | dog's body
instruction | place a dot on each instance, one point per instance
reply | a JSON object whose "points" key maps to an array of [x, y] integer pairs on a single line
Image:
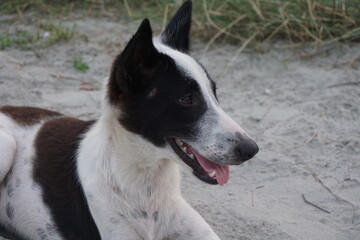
{"points": [[117, 177]]}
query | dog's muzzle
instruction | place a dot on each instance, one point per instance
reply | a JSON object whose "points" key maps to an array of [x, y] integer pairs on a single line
{"points": [[212, 170]]}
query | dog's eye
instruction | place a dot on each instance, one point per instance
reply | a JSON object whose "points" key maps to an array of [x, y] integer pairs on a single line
{"points": [[186, 100]]}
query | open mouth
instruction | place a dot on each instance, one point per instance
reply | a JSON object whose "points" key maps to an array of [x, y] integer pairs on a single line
{"points": [[203, 168]]}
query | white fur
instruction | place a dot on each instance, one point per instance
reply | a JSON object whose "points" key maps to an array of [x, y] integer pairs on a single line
{"points": [[129, 183], [7, 149], [20, 195]]}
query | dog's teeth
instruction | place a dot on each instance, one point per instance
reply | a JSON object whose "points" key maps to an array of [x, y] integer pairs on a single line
{"points": [[191, 156], [212, 174], [184, 149], [178, 142]]}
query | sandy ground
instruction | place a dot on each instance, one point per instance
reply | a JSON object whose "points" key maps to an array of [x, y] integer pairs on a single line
{"points": [[303, 112]]}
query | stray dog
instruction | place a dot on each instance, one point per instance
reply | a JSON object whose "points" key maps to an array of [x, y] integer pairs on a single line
{"points": [[118, 177]]}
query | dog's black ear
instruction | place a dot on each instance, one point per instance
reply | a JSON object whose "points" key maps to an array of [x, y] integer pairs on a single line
{"points": [[176, 33], [138, 59]]}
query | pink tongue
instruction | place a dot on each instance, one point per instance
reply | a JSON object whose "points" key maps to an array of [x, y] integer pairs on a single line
{"points": [[222, 173]]}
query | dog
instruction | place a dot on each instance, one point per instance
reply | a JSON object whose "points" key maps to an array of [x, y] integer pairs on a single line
{"points": [[117, 177]]}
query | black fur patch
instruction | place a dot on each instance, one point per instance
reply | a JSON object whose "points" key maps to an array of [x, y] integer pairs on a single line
{"points": [[136, 72], [55, 171], [163, 116]]}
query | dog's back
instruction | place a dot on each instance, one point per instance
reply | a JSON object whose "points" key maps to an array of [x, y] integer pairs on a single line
{"points": [[39, 184]]}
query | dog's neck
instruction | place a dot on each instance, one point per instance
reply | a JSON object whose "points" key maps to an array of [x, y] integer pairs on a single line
{"points": [[127, 161]]}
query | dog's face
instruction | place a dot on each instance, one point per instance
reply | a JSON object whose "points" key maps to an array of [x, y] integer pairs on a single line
{"points": [[167, 97]]}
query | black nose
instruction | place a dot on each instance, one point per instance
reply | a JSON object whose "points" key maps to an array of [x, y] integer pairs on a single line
{"points": [[246, 148]]}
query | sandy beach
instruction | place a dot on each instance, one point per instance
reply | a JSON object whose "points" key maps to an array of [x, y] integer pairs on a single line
{"points": [[302, 107]]}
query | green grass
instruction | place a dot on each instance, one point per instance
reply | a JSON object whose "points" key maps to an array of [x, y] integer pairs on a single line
{"points": [[57, 33], [20, 38], [47, 35], [245, 21], [79, 64], [5, 42]]}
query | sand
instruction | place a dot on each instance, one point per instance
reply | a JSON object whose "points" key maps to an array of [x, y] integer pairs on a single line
{"points": [[303, 110]]}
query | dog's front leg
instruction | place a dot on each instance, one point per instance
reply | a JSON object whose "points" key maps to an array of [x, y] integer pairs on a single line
{"points": [[187, 224], [111, 224]]}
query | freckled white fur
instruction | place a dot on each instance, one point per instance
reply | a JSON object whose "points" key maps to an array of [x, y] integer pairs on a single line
{"points": [[19, 191]]}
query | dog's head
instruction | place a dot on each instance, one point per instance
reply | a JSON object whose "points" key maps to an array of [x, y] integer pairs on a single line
{"points": [[168, 98]]}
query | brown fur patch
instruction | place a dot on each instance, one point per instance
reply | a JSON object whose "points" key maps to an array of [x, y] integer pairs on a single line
{"points": [[28, 115], [55, 170]]}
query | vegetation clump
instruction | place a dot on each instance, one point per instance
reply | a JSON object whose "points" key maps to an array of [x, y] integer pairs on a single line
{"points": [[245, 21]]}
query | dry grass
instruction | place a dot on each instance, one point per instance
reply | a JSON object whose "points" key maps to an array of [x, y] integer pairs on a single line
{"points": [[234, 21], [298, 21]]}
